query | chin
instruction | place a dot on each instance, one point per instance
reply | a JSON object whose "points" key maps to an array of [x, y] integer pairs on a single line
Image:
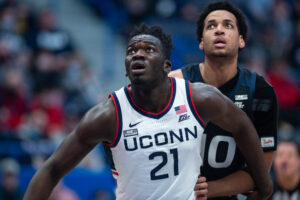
{"points": [[138, 81], [220, 54]]}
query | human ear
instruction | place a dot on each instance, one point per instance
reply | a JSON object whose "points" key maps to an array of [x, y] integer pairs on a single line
{"points": [[167, 66], [241, 42], [201, 45]]}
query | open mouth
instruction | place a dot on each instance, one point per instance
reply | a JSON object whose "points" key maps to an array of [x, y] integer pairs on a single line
{"points": [[219, 43], [138, 67]]}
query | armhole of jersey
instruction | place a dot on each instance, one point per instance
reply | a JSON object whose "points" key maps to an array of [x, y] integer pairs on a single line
{"points": [[110, 159], [192, 105], [119, 120]]}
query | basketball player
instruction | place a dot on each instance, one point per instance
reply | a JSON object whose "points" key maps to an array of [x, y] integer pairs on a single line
{"points": [[221, 32], [152, 130]]}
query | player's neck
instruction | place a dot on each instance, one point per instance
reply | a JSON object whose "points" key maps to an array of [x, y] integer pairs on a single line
{"points": [[217, 72], [154, 98], [288, 183]]}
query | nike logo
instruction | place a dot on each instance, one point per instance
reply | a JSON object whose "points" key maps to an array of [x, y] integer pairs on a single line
{"points": [[132, 125]]}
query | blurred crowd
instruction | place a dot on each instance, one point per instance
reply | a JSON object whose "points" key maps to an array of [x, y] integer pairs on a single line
{"points": [[43, 79], [45, 89], [45, 84]]}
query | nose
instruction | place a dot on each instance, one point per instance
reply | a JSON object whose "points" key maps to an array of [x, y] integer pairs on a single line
{"points": [[139, 54], [219, 30]]}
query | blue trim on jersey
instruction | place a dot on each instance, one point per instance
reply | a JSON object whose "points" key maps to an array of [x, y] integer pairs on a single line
{"points": [[120, 120], [237, 85], [189, 96], [252, 86], [155, 116]]}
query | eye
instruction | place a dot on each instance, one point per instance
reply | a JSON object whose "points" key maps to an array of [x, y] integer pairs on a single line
{"points": [[210, 26], [130, 51], [229, 26], [149, 49]]}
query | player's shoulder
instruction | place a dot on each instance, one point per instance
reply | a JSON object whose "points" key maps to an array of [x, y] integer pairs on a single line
{"points": [[103, 109], [262, 86], [186, 71], [100, 117], [176, 73], [203, 90], [263, 89], [100, 114], [261, 82], [191, 68]]}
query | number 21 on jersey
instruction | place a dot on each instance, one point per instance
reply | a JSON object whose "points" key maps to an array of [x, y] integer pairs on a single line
{"points": [[154, 174]]}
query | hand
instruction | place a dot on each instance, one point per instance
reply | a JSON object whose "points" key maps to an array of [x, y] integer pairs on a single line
{"points": [[201, 188]]}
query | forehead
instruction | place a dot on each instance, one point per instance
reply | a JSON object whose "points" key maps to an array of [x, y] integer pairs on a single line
{"points": [[220, 15], [144, 39], [287, 147]]}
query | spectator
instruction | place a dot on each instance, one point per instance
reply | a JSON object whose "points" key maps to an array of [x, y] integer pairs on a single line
{"points": [[288, 92], [9, 188], [286, 166], [48, 36]]}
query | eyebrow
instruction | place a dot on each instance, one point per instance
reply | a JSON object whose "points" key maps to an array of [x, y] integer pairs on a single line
{"points": [[226, 20], [148, 42]]}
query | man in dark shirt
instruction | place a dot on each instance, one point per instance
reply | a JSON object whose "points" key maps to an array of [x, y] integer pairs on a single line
{"points": [[222, 32]]}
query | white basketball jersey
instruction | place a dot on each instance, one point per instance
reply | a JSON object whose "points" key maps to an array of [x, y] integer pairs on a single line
{"points": [[156, 155]]}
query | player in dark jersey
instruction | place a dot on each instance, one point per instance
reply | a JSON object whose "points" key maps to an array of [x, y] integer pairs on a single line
{"points": [[221, 32]]}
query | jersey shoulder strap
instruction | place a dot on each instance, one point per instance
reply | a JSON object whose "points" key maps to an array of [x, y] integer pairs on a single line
{"points": [[191, 72], [246, 79]]}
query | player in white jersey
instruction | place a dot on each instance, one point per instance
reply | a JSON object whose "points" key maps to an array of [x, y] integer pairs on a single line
{"points": [[153, 127], [156, 147]]}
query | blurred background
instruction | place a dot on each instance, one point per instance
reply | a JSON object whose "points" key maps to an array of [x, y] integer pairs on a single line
{"points": [[58, 58]]}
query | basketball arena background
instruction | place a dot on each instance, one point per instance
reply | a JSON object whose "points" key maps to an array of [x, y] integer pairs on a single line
{"points": [[58, 58]]}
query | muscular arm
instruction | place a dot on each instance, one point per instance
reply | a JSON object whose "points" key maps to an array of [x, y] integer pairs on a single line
{"points": [[97, 126], [238, 182], [215, 107]]}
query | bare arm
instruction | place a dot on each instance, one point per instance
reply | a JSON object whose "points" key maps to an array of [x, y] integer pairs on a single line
{"points": [[176, 73], [215, 107], [238, 182], [96, 126]]}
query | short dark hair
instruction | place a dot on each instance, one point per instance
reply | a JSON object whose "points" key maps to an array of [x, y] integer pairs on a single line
{"points": [[293, 142], [156, 31], [222, 5]]}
